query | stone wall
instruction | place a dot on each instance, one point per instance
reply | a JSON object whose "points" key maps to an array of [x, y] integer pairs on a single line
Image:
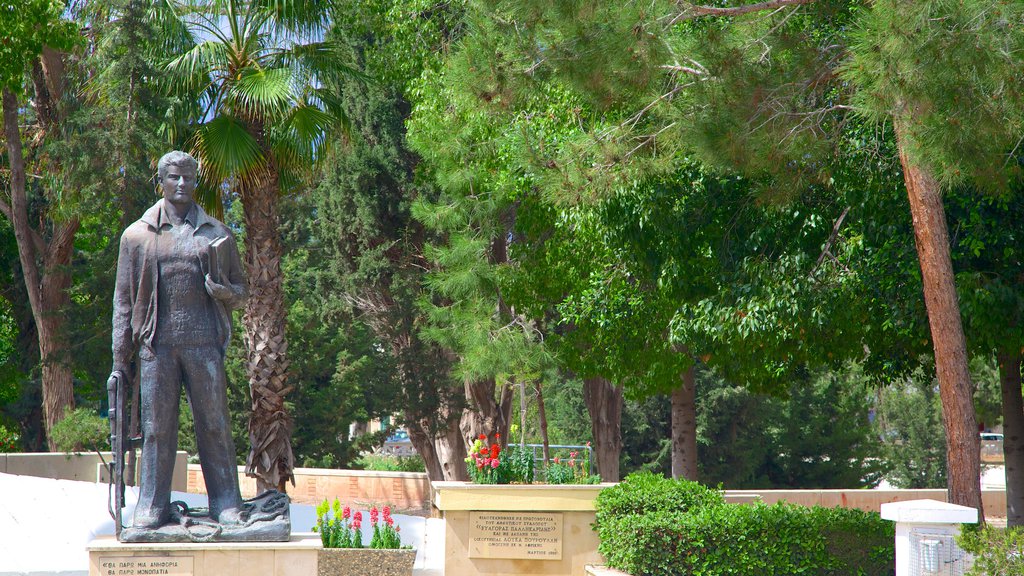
{"points": [[403, 491], [84, 467]]}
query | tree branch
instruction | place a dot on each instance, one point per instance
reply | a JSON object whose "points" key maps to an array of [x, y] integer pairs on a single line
{"points": [[689, 11]]}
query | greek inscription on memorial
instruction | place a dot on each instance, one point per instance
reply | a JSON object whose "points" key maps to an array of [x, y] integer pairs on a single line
{"points": [[516, 535], [146, 565]]}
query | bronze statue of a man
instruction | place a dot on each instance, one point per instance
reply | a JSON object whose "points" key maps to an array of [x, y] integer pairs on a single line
{"points": [[178, 278]]}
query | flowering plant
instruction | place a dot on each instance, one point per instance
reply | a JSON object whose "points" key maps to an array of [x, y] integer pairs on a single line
{"points": [[483, 461], [385, 531], [339, 527], [574, 470]]}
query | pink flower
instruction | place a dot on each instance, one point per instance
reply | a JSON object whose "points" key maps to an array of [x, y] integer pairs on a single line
{"points": [[387, 511], [494, 463], [479, 463], [358, 517], [346, 513], [556, 459], [373, 515], [389, 520]]}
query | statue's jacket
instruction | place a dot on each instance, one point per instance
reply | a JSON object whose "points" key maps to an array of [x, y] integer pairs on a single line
{"points": [[136, 289]]}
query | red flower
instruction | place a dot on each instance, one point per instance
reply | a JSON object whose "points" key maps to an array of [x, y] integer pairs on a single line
{"points": [[483, 436], [358, 517], [479, 463], [387, 511], [346, 513], [373, 515], [389, 520], [556, 459], [495, 450]]}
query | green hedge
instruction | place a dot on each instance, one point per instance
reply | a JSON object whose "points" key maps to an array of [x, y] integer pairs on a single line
{"points": [[703, 536]]}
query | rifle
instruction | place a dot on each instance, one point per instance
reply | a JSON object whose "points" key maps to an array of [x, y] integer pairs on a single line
{"points": [[118, 394]]}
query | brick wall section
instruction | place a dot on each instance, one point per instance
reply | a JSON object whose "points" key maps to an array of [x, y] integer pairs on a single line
{"points": [[400, 490]]}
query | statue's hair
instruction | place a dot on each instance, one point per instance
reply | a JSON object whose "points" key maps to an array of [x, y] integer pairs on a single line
{"points": [[175, 158]]}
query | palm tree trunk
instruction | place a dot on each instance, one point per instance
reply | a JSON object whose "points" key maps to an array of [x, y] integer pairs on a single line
{"points": [[932, 240], [1013, 432], [604, 403], [270, 457]]}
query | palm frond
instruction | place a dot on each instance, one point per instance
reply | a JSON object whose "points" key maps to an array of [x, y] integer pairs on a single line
{"points": [[207, 59], [263, 92], [225, 150], [302, 18]]}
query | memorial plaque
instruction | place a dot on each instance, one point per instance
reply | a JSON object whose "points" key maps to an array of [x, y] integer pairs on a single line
{"points": [[516, 535], [146, 565]]}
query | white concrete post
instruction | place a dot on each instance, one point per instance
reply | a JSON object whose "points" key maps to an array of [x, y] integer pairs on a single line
{"points": [[916, 520]]}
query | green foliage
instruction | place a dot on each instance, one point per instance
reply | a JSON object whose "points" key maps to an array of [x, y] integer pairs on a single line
{"points": [[954, 67], [574, 470], [390, 463], [9, 441], [81, 429], [519, 465], [910, 424], [996, 551], [27, 26], [643, 530], [338, 527], [816, 435], [644, 493]]}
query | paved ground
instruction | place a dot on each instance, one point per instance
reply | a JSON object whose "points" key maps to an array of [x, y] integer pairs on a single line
{"points": [[45, 525]]}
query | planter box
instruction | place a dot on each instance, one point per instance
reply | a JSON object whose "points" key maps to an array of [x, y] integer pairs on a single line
{"points": [[510, 530], [365, 562]]}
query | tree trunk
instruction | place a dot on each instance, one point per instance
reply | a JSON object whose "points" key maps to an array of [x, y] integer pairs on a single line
{"points": [[684, 427], [44, 269], [932, 240], [270, 457], [1013, 432], [604, 403], [485, 414], [542, 419], [443, 455]]}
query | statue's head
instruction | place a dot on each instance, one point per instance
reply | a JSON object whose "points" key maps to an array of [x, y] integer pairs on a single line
{"points": [[177, 171]]}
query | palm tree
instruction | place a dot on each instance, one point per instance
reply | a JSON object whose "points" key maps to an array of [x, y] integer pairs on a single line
{"points": [[248, 77]]}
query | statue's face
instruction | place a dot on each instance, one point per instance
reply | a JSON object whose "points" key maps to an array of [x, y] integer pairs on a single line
{"points": [[178, 184]]}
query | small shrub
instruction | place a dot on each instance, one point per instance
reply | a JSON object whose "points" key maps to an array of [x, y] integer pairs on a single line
{"points": [[390, 463], [997, 551], [81, 429]]}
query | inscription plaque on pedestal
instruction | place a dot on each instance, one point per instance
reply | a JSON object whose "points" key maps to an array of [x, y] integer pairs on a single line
{"points": [[146, 565], [515, 535]]}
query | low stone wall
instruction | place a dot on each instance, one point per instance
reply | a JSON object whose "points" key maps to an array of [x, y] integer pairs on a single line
{"points": [[401, 490], [994, 501], [84, 466]]}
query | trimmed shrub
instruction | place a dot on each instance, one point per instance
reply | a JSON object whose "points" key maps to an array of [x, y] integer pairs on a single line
{"points": [[997, 551], [689, 533], [646, 492]]}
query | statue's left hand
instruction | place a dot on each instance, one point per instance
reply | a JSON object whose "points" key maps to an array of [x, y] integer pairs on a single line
{"points": [[218, 291]]}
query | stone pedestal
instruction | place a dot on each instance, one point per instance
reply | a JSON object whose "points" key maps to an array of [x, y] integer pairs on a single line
{"points": [[510, 530], [925, 536], [297, 557]]}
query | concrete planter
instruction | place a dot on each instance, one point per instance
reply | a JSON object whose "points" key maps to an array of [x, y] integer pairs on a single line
{"points": [[365, 562], [509, 530]]}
